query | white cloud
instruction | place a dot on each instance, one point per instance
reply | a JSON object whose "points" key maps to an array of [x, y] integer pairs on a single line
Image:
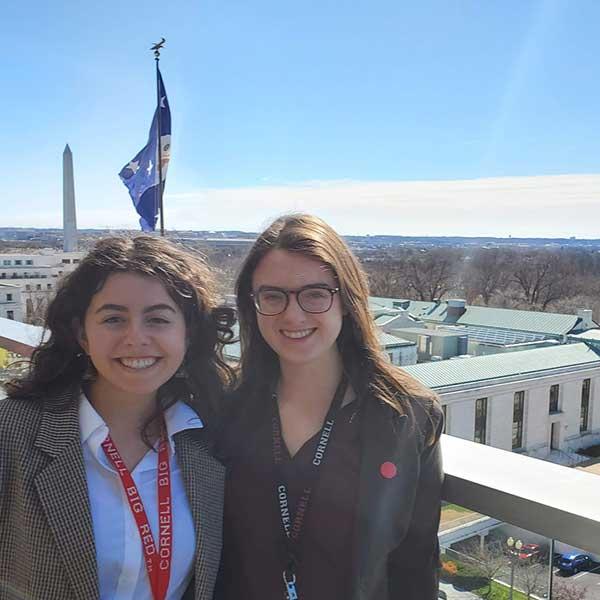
{"points": [[543, 206]]}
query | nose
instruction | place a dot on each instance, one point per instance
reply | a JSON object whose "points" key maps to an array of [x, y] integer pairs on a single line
{"points": [[293, 308], [136, 334]]}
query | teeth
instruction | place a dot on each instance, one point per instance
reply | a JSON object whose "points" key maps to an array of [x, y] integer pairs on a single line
{"points": [[296, 335], [138, 363]]}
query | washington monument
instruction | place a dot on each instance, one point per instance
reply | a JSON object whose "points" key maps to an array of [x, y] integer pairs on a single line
{"points": [[69, 220]]}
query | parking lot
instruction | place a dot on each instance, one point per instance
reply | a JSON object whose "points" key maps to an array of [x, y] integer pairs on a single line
{"points": [[590, 580]]}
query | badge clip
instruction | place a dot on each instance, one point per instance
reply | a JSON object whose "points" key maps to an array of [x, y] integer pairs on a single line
{"points": [[290, 586]]}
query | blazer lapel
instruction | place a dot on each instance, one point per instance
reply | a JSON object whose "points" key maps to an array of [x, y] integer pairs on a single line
{"points": [[63, 493], [386, 476], [204, 479]]}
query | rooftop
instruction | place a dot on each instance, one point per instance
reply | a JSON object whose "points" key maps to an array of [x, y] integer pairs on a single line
{"points": [[547, 323], [387, 340], [19, 337], [494, 336], [430, 332], [525, 364]]}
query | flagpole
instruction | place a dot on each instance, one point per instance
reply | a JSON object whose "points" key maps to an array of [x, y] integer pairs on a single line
{"points": [[157, 48]]}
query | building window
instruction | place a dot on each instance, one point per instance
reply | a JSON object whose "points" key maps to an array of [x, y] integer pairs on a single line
{"points": [[66, 261], [18, 263], [49, 286], [517, 426], [445, 412], [553, 398], [29, 262], [390, 354], [585, 406], [38, 286], [28, 287], [480, 420], [6, 263], [9, 297], [3, 276], [76, 260], [10, 314]]}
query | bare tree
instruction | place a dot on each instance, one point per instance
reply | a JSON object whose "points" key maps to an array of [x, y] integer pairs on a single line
{"points": [[430, 274], [386, 279], [487, 273], [36, 306], [542, 278], [531, 576], [488, 558], [562, 590]]}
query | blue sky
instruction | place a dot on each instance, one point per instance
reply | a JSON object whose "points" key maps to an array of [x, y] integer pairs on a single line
{"points": [[377, 115]]}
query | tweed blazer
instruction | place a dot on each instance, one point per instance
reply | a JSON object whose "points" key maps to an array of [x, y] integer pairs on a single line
{"points": [[47, 549]]}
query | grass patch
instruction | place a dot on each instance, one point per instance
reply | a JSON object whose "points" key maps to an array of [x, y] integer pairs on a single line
{"points": [[456, 508], [499, 592], [468, 578]]}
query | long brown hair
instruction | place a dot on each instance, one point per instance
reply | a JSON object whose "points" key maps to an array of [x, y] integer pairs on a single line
{"points": [[370, 374], [59, 363]]}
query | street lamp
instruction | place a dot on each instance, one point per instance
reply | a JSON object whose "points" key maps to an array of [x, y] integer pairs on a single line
{"points": [[516, 545]]}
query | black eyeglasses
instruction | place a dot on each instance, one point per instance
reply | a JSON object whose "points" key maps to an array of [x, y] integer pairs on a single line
{"points": [[314, 299]]}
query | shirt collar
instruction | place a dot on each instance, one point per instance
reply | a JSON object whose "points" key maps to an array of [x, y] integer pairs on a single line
{"points": [[93, 430]]}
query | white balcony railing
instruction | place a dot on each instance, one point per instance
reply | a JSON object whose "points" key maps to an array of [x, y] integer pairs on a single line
{"points": [[557, 502]]}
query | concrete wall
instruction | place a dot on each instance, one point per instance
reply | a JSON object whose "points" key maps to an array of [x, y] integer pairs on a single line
{"points": [[537, 421], [402, 355]]}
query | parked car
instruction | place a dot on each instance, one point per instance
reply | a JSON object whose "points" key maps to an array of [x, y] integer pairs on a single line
{"points": [[532, 552], [572, 562]]}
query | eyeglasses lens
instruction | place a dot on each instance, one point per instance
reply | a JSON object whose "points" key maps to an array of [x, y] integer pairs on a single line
{"points": [[271, 302], [315, 300]]}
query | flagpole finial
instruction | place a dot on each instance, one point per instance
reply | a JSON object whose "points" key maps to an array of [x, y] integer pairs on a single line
{"points": [[158, 47]]}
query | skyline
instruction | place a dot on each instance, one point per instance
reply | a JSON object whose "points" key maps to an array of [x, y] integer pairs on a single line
{"points": [[377, 117]]}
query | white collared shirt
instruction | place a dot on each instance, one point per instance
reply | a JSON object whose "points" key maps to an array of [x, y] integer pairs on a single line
{"points": [[119, 553]]}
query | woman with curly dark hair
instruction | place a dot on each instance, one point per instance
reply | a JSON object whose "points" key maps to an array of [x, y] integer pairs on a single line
{"points": [[334, 473], [108, 486]]}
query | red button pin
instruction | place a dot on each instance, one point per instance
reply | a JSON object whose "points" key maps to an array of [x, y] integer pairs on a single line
{"points": [[388, 470]]}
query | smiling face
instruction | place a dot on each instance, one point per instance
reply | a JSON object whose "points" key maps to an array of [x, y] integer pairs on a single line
{"points": [[134, 334], [298, 337]]}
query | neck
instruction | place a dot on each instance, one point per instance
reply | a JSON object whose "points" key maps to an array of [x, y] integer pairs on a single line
{"points": [[313, 383], [124, 413]]}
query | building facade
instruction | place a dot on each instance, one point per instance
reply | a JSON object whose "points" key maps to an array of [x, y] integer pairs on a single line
{"points": [[35, 276], [10, 301], [541, 402]]}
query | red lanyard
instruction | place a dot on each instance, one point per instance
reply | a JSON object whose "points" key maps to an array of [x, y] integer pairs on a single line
{"points": [[158, 560]]}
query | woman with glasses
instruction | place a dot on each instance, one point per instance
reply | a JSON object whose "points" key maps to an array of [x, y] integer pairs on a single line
{"points": [[334, 471]]}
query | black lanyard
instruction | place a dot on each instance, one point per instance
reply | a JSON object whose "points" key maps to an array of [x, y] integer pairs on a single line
{"points": [[292, 526]]}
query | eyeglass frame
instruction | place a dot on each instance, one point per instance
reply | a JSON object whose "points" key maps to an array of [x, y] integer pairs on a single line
{"points": [[287, 293]]}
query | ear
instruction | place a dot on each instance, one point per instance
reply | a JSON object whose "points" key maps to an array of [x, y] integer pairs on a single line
{"points": [[80, 335]]}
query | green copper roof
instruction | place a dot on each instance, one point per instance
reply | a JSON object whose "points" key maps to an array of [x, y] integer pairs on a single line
{"points": [[554, 324], [463, 371]]}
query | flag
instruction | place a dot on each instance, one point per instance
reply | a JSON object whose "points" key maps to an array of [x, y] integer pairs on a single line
{"points": [[141, 174]]}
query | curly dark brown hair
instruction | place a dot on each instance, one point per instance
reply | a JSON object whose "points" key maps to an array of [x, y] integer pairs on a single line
{"points": [[59, 363]]}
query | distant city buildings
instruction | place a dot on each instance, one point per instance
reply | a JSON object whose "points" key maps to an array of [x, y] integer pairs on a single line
{"points": [[28, 281]]}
